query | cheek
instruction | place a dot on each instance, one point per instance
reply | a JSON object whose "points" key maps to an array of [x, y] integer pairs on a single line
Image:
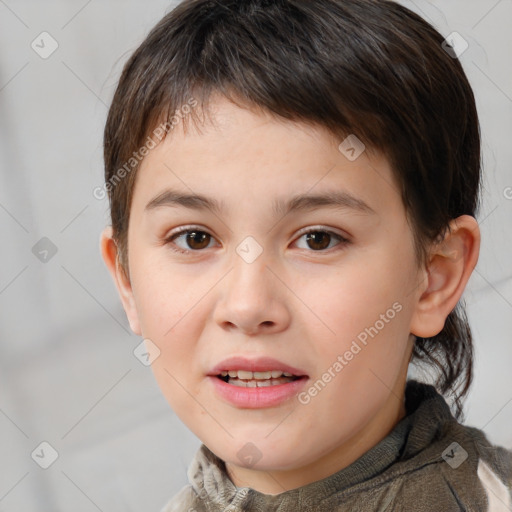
{"points": [[355, 297], [363, 361], [169, 308], [172, 308], [368, 309], [163, 296]]}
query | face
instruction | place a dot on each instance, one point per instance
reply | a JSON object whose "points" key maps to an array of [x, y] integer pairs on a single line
{"points": [[301, 261]]}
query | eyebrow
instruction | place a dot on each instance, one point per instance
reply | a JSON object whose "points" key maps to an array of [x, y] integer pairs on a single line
{"points": [[302, 202]]}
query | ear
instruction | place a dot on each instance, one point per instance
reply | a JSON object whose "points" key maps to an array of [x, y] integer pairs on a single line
{"points": [[109, 251], [450, 265]]}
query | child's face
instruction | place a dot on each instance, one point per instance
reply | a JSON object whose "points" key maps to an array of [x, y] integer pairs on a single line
{"points": [[301, 302]]}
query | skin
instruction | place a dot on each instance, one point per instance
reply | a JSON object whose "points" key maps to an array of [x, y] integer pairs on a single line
{"points": [[298, 302]]}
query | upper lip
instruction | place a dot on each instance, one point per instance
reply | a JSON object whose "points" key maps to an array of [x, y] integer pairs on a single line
{"points": [[260, 364]]}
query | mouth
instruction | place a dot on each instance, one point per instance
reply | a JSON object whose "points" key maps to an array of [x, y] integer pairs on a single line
{"points": [[256, 373], [248, 379], [256, 383]]}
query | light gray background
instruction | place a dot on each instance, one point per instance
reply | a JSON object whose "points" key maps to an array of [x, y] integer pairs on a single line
{"points": [[68, 375]]}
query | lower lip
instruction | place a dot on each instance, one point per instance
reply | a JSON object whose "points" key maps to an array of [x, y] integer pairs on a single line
{"points": [[257, 398]]}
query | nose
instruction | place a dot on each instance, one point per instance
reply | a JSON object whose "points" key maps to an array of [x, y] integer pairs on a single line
{"points": [[252, 298]]}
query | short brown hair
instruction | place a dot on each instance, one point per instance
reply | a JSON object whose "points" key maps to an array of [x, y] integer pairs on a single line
{"points": [[366, 67]]}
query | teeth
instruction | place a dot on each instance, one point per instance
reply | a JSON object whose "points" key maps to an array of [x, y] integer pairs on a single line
{"points": [[258, 383], [245, 375], [262, 375]]}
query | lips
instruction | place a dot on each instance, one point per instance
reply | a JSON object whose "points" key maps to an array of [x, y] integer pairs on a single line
{"points": [[256, 383], [258, 365]]}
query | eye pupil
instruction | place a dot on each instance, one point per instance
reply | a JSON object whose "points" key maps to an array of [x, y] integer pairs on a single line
{"points": [[198, 236], [318, 237]]}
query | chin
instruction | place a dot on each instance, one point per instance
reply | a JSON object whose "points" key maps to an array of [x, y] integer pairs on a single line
{"points": [[260, 455]]}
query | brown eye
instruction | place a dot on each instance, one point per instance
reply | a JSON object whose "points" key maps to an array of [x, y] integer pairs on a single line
{"points": [[318, 240], [197, 239], [191, 240]]}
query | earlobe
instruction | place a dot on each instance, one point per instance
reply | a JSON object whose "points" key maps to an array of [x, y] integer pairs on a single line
{"points": [[110, 254], [450, 266]]}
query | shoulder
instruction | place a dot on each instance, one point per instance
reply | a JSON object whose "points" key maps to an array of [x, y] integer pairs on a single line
{"points": [[185, 501], [494, 470], [465, 469], [449, 464]]}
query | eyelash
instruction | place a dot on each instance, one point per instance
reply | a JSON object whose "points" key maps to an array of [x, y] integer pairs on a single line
{"points": [[189, 229]]}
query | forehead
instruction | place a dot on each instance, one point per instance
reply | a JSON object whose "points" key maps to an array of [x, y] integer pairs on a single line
{"points": [[242, 154]]}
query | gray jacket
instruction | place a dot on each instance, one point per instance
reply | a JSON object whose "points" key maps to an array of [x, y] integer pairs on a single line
{"points": [[429, 462]]}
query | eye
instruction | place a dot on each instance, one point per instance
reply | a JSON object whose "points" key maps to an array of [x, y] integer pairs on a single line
{"points": [[194, 238], [320, 239]]}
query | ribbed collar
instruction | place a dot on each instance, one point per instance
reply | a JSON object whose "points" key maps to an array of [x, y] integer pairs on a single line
{"points": [[426, 413]]}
